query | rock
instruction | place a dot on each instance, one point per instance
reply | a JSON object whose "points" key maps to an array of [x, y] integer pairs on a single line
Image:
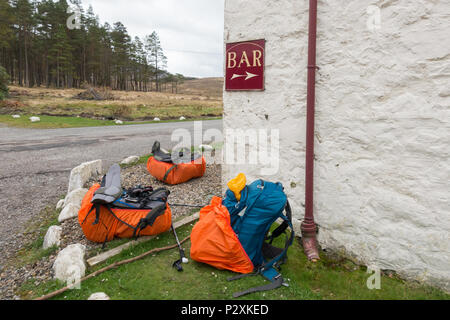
{"points": [[157, 119], [130, 160], [60, 204], [35, 119], [52, 237], [99, 296], [206, 147], [119, 122], [70, 211], [182, 118], [16, 116], [75, 197], [81, 174], [69, 264]]}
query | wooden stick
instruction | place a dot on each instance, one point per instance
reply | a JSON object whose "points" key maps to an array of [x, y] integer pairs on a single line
{"points": [[115, 251], [111, 266]]}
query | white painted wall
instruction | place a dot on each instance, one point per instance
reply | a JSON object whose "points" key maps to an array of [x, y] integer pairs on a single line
{"points": [[382, 124]]}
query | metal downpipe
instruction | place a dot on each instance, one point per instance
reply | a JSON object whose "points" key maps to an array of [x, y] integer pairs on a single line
{"points": [[308, 227]]}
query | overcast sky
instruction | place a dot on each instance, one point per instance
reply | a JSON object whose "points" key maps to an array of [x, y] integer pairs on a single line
{"points": [[191, 31]]}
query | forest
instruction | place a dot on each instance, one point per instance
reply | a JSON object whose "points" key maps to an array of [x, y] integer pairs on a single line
{"points": [[58, 44]]}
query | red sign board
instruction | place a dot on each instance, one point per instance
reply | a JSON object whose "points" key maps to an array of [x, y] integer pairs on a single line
{"points": [[245, 66]]}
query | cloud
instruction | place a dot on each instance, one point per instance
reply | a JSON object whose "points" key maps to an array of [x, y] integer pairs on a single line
{"points": [[191, 31]]}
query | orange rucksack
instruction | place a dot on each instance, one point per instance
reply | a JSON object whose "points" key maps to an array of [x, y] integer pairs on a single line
{"points": [[101, 223], [107, 211], [175, 169]]}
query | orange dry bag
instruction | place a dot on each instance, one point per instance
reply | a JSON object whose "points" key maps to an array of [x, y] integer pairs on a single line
{"points": [[214, 242]]}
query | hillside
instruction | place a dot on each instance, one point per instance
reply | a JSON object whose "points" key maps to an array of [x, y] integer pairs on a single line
{"points": [[207, 87], [196, 99]]}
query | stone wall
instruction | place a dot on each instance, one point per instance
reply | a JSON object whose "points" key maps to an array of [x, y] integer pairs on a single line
{"points": [[382, 123]]}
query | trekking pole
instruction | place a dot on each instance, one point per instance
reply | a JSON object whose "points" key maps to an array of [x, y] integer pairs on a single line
{"points": [[186, 205], [177, 264]]}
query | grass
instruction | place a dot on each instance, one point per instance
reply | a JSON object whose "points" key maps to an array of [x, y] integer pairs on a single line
{"points": [[36, 230], [54, 122], [153, 278]]}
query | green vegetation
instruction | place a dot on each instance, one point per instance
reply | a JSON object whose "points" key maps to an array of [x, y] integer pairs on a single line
{"points": [[36, 230], [52, 122], [154, 278], [131, 107]]}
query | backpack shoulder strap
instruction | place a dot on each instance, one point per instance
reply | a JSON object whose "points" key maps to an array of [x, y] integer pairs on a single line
{"points": [[278, 282], [282, 228], [275, 278], [286, 223]]}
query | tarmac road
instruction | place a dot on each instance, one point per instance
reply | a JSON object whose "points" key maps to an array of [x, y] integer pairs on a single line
{"points": [[35, 165]]}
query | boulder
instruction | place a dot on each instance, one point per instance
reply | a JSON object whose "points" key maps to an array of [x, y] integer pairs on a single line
{"points": [[69, 264], [52, 237], [157, 119], [35, 119], [118, 122], [81, 174], [205, 147], [99, 296], [75, 197], [60, 204], [16, 116], [182, 118], [130, 160], [70, 211]]}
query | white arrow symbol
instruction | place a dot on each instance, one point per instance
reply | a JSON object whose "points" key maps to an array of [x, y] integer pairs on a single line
{"points": [[249, 76]]}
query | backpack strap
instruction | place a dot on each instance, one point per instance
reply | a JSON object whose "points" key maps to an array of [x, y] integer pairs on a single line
{"points": [[115, 216], [276, 281], [271, 286], [267, 269], [96, 207], [245, 204], [282, 228], [168, 171], [149, 220], [279, 258]]}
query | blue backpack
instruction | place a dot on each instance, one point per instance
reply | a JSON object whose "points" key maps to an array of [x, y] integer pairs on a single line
{"points": [[264, 203]]}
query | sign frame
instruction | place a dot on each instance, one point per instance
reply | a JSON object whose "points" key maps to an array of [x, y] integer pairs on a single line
{"points": [[261, 43]]}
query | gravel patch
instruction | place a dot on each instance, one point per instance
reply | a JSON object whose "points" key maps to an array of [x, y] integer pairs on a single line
{"points": [[195, 192]]}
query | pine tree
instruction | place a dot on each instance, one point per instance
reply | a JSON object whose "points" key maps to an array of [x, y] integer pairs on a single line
{"points": [[156, 56], [121, 44], [4, 79], [24, 19], [37, 48]]}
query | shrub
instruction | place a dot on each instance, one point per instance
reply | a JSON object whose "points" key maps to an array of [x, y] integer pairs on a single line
{"points": [[122, 111], [4, 80]]}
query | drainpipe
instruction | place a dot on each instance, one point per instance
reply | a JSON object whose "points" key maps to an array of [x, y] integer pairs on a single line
{"points": [[309, 228]]}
